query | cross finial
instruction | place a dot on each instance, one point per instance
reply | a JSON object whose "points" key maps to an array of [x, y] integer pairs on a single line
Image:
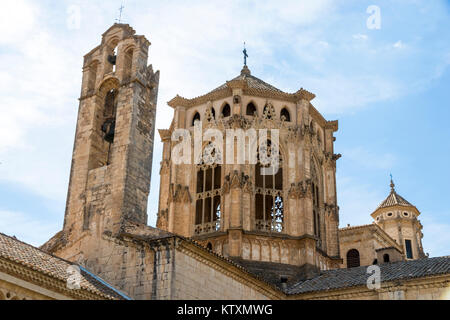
{"points": [[245, 55], [120, 13]]}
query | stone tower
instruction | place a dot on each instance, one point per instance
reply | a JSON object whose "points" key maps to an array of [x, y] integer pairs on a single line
{"points": [[289, 217], [399, 219], [112, 156]]}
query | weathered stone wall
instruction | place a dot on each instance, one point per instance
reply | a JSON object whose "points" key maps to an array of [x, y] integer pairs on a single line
{"points": [[195, 279]]}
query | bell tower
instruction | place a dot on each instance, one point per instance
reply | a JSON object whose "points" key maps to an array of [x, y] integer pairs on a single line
{"points": [[113, 149]]}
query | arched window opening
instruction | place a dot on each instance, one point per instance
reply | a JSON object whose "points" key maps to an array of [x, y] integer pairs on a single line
{"points": [[386, 258], [316, 196], [196, 118], [285, 113], [128, 65], [208, 212], [226, 111], [269, 203], [251, 109], [353, 259], [105, 125], [109, 115], [112, 58], [375, 262], [209, 246]]}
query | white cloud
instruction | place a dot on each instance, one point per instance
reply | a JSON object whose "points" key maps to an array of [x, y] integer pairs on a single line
{"points": [[17, 19], [399, 44], [360, 36], [338, 93]]}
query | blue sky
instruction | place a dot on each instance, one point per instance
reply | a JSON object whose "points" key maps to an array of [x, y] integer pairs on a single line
{"points": [[388, 87]]}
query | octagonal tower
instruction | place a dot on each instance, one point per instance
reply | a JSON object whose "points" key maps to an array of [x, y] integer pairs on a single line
{"points": [[399, 219], [287, 217]]}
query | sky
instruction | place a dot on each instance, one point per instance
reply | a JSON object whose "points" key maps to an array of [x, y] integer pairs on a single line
{"points": [[379, 67]]}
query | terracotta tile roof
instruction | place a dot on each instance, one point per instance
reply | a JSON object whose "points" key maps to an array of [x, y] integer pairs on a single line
{"points": [[254, 85], [354, 277], [252, 82], [28, 256], [394, 199]]}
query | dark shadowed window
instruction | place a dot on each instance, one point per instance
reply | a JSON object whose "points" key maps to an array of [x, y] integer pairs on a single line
{"points": [[226, 111], [251, 109], [353, 259], [196, 118], [285, 113], [386, 258], [408, 247]]}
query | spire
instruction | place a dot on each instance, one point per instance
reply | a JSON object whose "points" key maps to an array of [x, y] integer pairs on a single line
{"points": [[392, 184]]}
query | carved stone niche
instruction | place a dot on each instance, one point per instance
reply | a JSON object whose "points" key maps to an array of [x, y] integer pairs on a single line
{"points": [[237, 99]]}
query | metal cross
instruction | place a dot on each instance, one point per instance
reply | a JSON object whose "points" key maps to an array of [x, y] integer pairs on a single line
{"points": [[245, 55], [120, 13]]}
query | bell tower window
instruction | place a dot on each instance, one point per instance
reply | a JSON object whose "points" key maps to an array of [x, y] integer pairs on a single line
{"points": [[109, 123]]}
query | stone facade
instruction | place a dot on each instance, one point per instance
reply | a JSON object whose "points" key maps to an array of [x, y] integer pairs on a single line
{"points": [[244, 222], [395, 235], [217, 223]]}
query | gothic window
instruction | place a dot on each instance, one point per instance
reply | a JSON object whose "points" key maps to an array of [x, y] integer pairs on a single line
{"points": [[226, 111], [408, 247], [209, 246], [353, 259], [196, 118], [316, 196], [208, 211], [386, 258], [285, 113], [269, 204], [251, 109], [210, 114], [268, 112]]}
